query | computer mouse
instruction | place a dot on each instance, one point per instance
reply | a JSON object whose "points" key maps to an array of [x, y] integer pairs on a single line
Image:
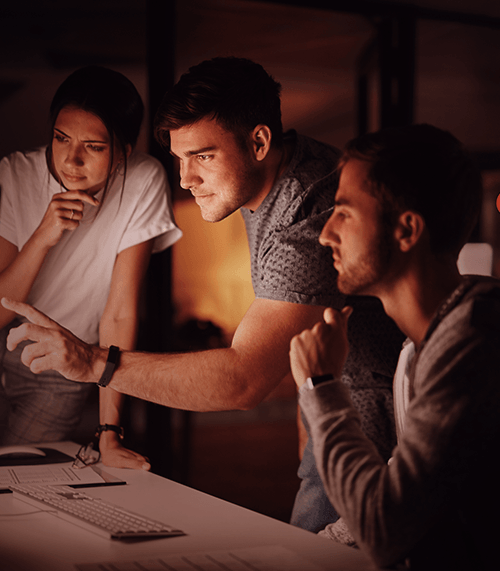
{"points": [[20, 451]]}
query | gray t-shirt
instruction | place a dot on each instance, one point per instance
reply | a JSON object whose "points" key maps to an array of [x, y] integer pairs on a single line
{"points": [[289, 264]]}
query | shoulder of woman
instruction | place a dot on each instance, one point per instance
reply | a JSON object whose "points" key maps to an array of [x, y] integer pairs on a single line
{"points": [[24, 163], [142, 166]]}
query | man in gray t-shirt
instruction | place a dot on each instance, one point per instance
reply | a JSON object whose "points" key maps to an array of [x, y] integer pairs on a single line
{"points": [[222, 122], [289, 264]]}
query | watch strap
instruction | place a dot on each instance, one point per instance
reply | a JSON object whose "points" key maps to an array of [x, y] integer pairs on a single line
{"points": [[113, 427], [111, 364]]}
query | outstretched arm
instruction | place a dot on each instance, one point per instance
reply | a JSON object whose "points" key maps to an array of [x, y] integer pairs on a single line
{"points": [[238, 377]]}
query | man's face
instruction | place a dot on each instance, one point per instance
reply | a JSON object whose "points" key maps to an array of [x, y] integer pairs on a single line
{"points": [[221, 175], [361, 246]]}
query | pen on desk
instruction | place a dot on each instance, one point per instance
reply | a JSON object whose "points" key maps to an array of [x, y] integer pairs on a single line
{"points": [[98, 485]]}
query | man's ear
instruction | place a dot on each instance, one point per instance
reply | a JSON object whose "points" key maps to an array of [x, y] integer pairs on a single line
{"points": [[409, 229], [261, 141]]}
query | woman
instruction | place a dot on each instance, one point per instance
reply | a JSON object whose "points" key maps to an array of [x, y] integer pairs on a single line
{"points": [[78, 222]]}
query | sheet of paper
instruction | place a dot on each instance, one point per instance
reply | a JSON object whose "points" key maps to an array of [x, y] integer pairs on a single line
{"points": [[48, 474], [265, 558]]}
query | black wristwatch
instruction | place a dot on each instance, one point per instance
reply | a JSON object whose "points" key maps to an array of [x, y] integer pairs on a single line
{"points": [[105, 427], [111, 364]]}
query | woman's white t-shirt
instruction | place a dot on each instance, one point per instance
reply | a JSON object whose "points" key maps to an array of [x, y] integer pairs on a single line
{"points": [[74, 282]]}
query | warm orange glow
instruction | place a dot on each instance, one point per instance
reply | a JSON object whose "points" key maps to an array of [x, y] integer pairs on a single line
{"points": [[211, 268], [498, 203]]}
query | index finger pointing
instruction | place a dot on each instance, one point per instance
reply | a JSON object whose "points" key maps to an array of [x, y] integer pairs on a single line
{"points": [[27, 311]]}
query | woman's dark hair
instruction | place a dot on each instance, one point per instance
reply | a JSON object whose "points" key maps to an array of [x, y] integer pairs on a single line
{"points": [[238, 93], [427, 170], [111, 97]]}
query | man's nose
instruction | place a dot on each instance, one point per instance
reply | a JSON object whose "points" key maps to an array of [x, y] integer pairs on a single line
{"points": [[328, 235], [189, 176]]}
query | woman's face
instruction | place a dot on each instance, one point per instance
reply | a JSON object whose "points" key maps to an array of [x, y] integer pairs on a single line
{"points": [[81, 150]]}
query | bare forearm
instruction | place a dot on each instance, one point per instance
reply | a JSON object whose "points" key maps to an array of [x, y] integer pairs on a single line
{"points": [[221, 379], [123, 333], [209, 380]]}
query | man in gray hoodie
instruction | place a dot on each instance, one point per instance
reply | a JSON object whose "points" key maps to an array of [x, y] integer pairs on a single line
{"points": [[407, 201]]}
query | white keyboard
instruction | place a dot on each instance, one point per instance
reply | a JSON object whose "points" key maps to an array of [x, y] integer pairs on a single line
{"points": [[92, 513]]}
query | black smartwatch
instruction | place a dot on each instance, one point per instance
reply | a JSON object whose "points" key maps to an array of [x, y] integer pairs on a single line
{"points": [[111, 364]]}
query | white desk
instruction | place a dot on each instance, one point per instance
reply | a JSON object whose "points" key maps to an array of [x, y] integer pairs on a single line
{"points": [[40, 541]]}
